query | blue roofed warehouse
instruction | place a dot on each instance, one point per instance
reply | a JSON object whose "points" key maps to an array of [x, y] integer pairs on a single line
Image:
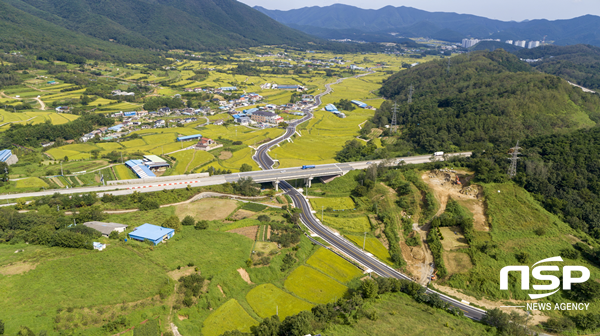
{"points": [[155, 234], [189, 137], [359, 104]]}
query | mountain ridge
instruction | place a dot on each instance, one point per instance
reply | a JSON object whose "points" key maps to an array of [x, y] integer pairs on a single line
{"points": [[581, 30], [166, 24]]}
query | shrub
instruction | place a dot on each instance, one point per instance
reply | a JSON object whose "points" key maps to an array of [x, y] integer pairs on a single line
{"points": [[201, 225], [264, 218], [188, 220], [570, 253], [173, 223], [148, 204]]}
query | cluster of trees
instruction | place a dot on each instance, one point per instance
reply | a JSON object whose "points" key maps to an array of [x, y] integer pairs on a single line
{"points": [[215, 171], [192, 285], [49, 227], [480, 100], [356, 150], [345, 104], [154, 103], [246, 186], [34, 135], [285, 234], [562, 171]]}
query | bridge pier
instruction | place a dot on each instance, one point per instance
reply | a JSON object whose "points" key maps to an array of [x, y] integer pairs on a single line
{"points": [[276, 185], [307, 181]]}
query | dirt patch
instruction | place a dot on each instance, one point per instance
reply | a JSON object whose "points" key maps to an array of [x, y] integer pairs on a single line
{"points": [[206, 209], [457, 262], [249, 231], [17, 268], [241, 214], [443, 183], [184, 271], [245, 276], [269, 232], [97, 179], [453, 238], [224, 155], [477, 208], [536, 318], [182, 317], [221, 289]]}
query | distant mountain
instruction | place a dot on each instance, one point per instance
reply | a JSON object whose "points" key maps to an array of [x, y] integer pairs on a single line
{"points": [[164, 24], [411, 22]]}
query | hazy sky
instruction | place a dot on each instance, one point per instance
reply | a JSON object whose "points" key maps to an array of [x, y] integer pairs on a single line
{"points": [[506, 10]]}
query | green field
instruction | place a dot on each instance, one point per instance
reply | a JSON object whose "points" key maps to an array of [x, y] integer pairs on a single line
{"points": [[124, 173], [322, 137], [189, 159], [335, 203], [314, 286], [230, 316], [333, 265], [31, 182], [359, 223], [373, 246], [266, 300]]}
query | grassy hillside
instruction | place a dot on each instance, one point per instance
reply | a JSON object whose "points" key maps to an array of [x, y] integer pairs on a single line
{"points": [[479, 100], [20, 30]]}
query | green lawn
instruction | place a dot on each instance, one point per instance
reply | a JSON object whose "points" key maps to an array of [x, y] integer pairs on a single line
{"points": [[333, 265], [266, 300], [314, 286]]}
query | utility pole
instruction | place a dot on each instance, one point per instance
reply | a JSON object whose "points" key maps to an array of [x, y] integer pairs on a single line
{"points": [[61, 169], [512, 171], [121, 157], [322, 206], [364, 241]]}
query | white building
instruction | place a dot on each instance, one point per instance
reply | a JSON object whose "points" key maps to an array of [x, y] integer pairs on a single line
{"points": [[468, 43], [520, 44], [533, 44], [509, 41]]}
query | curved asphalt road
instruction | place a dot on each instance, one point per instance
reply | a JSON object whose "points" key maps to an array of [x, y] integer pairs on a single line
{"points": [[313, 224]]}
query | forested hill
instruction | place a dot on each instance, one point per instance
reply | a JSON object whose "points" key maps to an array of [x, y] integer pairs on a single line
{"points": [[577, 63], [482, 99], [168, 24]]}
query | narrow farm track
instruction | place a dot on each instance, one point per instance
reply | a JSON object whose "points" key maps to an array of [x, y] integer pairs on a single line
{"points": [[339, 243]]}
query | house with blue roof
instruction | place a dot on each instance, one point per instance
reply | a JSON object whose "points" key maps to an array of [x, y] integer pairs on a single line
{"points": [[154, 233], [331, 108]]}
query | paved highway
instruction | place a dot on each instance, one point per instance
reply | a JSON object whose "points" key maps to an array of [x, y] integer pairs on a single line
{"points": [[338, 242]]}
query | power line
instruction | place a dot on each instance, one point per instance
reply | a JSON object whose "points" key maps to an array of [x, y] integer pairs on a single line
{"points": [[512, 171]]}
